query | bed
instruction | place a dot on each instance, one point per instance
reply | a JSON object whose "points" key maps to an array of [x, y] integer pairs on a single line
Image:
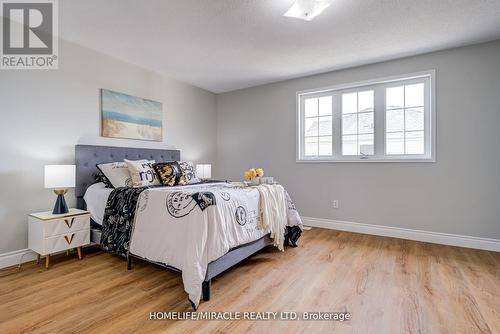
{"points": [[88, 156]]}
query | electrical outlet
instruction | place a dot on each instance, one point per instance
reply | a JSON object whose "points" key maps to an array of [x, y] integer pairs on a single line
{"points": [[335, 203]]}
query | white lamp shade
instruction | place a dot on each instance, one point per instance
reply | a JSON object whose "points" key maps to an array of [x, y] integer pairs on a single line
{"points": [[204, 171], [60, 176]]}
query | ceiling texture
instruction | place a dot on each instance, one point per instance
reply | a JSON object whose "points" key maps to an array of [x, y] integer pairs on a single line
{"points": [[224, 45]]}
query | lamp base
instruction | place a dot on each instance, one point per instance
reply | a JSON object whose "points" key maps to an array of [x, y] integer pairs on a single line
{"points": [[60, 207]]}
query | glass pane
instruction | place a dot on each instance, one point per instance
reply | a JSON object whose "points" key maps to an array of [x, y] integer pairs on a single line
{"points": [[414, 119], [365, 122], [349, 103], [311, 146], [349, 125], [394, 120], [311, 107], [415, 142], [414, 95], [349, 145], [394, 143], [311, 126], [325, 145], [365, 101], [394, 97], [325, 105], [325, 125], [365, 143]]}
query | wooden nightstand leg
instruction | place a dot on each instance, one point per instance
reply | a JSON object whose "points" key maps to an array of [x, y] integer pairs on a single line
{"points": [[79, 250], [37, 259], [47, 259]]}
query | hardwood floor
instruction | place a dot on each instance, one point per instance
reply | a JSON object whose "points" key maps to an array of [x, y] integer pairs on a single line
{"points": [[388, 285]]}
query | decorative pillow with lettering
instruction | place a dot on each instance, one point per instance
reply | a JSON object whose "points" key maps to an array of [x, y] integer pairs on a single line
{"points": [[188, 170], [142, 173], [117, 173], [170, 173]]}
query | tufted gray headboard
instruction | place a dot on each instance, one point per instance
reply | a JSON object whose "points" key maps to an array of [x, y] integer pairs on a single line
{"points": [[88, 156]]}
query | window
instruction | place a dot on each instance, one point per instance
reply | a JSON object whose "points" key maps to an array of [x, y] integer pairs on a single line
{"points": [[358, 123], [390, 119], [318, 126], [404, 119]]}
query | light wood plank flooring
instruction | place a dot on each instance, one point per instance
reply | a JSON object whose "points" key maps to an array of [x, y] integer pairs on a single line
{"points": [[388, 285]]}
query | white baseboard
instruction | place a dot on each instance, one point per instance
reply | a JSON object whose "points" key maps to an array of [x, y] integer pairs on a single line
{"points": [[403, 233], [15, 257]]}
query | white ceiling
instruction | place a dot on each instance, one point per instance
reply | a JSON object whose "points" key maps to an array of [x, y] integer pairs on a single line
{"points": [[224, 45]]}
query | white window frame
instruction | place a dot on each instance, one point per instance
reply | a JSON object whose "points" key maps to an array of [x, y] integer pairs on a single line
{"points": [[428, 76]]}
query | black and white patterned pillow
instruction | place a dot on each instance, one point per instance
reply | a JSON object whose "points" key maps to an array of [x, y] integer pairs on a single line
{"points": [[100, 177], [189, 172]]}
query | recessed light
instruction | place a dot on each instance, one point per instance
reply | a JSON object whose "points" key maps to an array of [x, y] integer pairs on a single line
{"points": [[307, 9]]}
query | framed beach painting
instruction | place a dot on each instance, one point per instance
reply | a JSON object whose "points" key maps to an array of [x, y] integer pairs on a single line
{"points": [[131, 117]]}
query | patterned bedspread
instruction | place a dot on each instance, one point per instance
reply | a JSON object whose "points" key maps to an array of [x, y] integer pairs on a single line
{"points": [[187, 227]]}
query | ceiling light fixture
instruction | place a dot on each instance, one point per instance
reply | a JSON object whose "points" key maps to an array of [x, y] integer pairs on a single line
{"points": [[307, 9]]}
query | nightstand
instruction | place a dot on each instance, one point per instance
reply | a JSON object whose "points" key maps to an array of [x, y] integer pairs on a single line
{"points": [[49, 233]]}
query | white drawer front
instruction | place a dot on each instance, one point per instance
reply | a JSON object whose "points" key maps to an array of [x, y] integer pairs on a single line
{"points": [[66, 241], [66, 225]]}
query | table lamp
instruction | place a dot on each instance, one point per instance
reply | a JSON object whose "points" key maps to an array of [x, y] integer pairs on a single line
{"points": [[60, 178], [204, 171]]}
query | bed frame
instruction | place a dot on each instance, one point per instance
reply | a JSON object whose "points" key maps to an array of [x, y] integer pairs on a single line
{"points": [[86, 159]]}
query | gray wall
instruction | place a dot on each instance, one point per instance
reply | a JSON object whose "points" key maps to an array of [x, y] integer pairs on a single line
{"points": [[45, 113], [459, 194]]}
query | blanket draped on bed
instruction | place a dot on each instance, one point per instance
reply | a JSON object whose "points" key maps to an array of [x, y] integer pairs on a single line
{"points": [[118, 220], [273, 210]]}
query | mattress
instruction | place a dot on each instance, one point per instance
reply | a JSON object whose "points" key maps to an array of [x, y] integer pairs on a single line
{"points": [[96, 198]]}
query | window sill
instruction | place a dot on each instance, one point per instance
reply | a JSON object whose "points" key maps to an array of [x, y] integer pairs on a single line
{"points": [[390, 160]]}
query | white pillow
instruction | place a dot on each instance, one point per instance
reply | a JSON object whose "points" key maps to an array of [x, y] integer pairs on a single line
{"points": [[117, 173], [142, 173], [188, 170]]}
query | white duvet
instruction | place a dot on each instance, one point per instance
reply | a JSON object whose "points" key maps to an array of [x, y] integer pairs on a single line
{"points": [[188, 227]]}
